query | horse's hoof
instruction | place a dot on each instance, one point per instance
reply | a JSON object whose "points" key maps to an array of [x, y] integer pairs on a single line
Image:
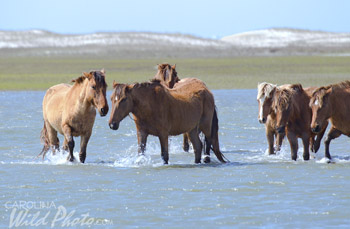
{"points": [[71, 159], [206, 159], [186, 148]]}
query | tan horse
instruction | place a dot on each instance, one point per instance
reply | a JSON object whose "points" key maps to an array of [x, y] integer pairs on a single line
{"points": [[267, 115], [293, 115], [70, 110], [331, 102], [163, 112]]}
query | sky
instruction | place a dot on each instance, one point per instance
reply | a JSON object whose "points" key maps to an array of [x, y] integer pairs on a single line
{"points": [[208, 19]]}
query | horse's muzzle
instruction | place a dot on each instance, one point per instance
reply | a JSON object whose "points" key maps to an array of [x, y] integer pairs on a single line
{"points": [[103, 111], [316, 129], [114, 126], [262, 121], [280, 129]]}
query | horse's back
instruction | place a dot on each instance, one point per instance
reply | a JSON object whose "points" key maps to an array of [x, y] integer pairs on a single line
{"points": [[190, 87]]}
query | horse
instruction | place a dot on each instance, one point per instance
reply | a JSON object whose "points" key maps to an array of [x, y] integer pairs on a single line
{"points": [[70, 110], [293, 116], [331, 102], [163, 112], [267, 116], [167, 75]]}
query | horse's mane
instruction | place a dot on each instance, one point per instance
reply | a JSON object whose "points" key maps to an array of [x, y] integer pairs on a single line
{"points": [[98, 76], [151, 83], [79, 80], [265, 89]]}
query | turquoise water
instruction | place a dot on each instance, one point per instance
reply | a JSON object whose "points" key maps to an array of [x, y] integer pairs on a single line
{"points": [[116, 188]]}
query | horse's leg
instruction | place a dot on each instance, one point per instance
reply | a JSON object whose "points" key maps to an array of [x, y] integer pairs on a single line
{"points": [[142, 140], [293, 141], [332, 134], [84, 139], [279, 141], [53, 139], [207, 149], [197, 145], [186, 146], [65, 145], [306, 142], [67, 132], [319, 137], [270, 135], [163, 139]]}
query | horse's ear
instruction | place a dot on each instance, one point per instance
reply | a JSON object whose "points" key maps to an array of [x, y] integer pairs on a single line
{"points": [[297, 87], [128, 88], [114, 84], [174, 66], [87, 75], [103, 71]]}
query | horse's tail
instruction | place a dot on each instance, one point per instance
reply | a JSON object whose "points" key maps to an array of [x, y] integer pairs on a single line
{"points": [[44, 138], [215, 138]]}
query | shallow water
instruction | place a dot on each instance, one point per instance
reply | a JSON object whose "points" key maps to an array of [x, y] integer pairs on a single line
{"points": [[117, 188]]}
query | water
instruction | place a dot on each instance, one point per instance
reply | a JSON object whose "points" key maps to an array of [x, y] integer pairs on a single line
{"points": [[116, 188]]}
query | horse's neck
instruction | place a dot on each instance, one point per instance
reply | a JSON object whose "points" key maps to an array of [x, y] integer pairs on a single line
{"points": [[77, 95], [143, 97], [300, 105]]}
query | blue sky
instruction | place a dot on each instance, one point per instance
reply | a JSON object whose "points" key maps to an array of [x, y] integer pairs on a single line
{"points": [[210, 19]]}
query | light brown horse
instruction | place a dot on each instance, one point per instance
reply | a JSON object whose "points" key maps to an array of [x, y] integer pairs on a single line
{"points": [[268, 117], [70, 110], [331, 102], [293, 115], [163, 112]]}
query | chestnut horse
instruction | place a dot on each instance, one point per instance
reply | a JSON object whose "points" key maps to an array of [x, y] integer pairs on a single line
{"points": [[331, 102], [162, 112], [267, 115], [167, 75], [70, 110], [293, 115]]}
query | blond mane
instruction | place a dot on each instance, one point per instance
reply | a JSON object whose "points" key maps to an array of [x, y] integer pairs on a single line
{"points": [[265, 89]]}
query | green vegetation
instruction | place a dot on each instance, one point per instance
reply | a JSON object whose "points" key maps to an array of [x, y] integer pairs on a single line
{"points": [[243, 72]]}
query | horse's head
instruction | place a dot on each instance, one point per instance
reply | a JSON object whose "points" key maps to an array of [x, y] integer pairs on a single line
{"points": [[122, 104], [282, 106], [167, 75], [321, 108], [265, 96], [96, 90]]}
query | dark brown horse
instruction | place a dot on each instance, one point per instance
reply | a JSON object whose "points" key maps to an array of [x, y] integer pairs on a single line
{"points": [[293, 115], [70, 110], [268, 117], [331, 102], [163, 112]]}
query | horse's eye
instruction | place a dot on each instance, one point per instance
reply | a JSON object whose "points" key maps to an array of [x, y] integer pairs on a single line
{"points": [[93, 87]]}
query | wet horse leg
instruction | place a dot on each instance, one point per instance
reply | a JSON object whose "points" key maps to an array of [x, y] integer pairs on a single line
{"points": [[67, 132], [186, 145], [279, 140], [306, 142], [65, 145], [293, 141], [83, 144], [332, 134], [164, 147], [207, 149], [142, 140], [270, 140], [317, 142], [197, 145], [53, 139]]}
